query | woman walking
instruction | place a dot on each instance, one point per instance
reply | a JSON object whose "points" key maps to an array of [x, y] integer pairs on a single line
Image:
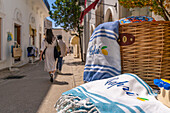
{"points": [[48, 46]]}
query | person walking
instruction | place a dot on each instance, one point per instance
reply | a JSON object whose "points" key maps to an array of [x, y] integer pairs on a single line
{"points": [[48, 45], [62, 51]]}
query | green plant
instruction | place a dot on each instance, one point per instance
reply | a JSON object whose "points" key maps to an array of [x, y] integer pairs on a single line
{"points": [[66, 13], [159, 7]]}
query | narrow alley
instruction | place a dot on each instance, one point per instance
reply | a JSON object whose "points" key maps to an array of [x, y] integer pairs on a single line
{"points": [[29, 89]]}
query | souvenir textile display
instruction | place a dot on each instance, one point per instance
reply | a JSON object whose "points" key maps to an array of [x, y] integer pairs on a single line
{"points": [[16, 51], [103, 53], [126, 93], [136, 19], [10, 36], [32, 51]]}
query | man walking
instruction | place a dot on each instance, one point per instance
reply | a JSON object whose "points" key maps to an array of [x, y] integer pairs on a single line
{"points": [[62, 47]]}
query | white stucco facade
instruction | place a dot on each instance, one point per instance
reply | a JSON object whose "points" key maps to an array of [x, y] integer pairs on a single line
{"points": [[22, 13]]}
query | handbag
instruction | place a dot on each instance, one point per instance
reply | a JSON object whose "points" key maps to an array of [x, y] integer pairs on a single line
{"points": [[17, 51], [56, 53], [43, 54]]}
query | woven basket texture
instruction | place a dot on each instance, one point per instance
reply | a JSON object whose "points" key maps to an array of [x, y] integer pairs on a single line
{"points": [[149, 55]]}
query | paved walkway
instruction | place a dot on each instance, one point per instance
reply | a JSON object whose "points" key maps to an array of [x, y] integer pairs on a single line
{"points": [[34, 81], [72, 72]]}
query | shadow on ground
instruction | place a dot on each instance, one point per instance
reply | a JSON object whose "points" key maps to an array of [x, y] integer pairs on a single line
{"points": [[60, 82], [65, 74], [75, 63]]}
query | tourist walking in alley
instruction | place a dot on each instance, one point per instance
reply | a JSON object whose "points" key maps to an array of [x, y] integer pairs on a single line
{"points": [[62, 51], [48, 49]]}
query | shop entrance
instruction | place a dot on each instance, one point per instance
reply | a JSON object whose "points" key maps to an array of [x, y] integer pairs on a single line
{"points": [[33, 37], [17, 38], [17, 32]]}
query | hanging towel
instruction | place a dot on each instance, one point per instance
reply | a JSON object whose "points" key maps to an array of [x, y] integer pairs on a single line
{"points": [[103, 54], [126, 93]]}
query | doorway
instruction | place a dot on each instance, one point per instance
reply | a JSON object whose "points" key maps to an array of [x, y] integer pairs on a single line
{"points": [[17, 32], [33, 37], [17, 38]]}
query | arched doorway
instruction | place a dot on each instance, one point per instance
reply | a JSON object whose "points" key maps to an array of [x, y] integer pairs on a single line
{"points": [[109, 15], [17, 25]]}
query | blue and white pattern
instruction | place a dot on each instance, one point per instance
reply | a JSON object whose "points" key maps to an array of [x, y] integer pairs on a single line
{"points": [[103, 54], [126, 93]]}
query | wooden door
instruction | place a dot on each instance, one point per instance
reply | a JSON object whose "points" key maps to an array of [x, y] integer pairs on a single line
{"points": [[17, 32], [19, 35], [17, 38]]}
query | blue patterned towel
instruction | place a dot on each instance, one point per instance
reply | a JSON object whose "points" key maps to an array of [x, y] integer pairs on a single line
{"points": [[103, 54], [126, 93]]}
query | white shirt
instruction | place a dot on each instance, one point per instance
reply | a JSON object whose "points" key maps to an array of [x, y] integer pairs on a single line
{"points": [[62, 46]]}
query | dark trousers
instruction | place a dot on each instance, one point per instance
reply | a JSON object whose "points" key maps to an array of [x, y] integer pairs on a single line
{"points": [[60, 63]]}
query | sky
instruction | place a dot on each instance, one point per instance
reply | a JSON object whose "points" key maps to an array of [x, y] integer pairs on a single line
{"points": [[50, 3]]}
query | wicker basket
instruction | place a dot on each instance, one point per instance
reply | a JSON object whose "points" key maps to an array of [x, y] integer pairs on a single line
{"points": [[149, 55]]}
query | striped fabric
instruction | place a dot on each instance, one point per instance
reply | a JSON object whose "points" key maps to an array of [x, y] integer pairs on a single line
{"points": [[126, 93], [103, 54]]}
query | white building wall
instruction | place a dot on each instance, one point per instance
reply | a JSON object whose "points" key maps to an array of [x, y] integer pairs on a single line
{"points": [[114, 10], [7, 13]]}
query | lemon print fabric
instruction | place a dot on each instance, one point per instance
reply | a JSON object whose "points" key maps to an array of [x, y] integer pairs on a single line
{"points": [[142, 99], [104, 51]]}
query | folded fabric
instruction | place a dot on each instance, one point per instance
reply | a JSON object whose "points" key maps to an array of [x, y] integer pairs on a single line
{"points": [[126, 93], [136, 19], [162, 83], [103, 54]]}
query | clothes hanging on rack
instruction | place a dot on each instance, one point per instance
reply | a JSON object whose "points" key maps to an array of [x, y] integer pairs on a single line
{"points": [[32, 51]]}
